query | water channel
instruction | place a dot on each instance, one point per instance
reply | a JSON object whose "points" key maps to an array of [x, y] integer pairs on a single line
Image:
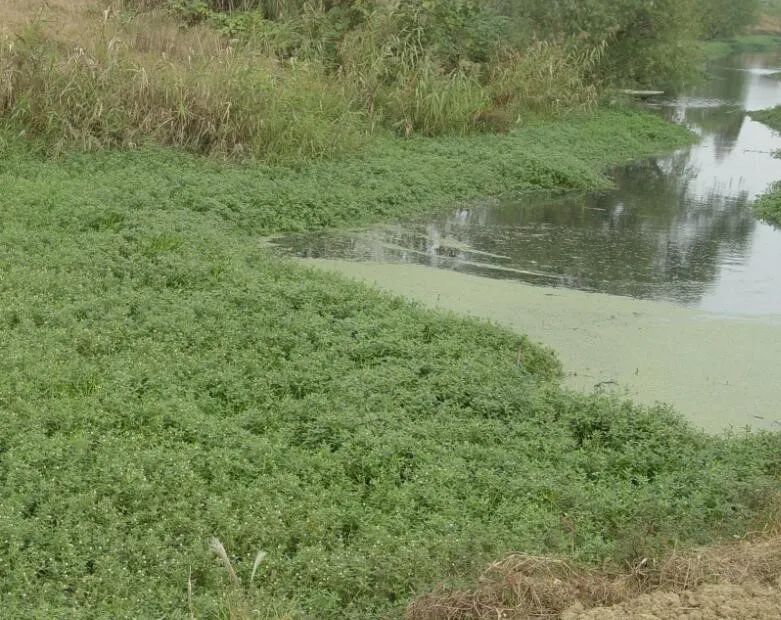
{"points": [[665, 286]]}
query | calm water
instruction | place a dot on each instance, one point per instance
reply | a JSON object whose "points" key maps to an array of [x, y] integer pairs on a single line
{"points": [[676, 228]]}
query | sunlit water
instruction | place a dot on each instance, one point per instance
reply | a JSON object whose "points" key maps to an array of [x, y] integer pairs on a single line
{"points": [[677, 228]]}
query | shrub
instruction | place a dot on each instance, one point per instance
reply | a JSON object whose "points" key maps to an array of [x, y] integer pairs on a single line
{"points": [[768, 206]]}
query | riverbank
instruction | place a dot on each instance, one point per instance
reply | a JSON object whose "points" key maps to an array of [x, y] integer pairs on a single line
{"points": [[293, 81], [757, 42], [389, 180], [770, 117], [164, 381]]}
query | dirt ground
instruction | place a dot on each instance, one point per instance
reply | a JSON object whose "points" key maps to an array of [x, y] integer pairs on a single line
{"points": [[740, 580], [750, 601]]}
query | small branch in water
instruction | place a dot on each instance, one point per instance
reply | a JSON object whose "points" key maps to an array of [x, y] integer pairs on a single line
{"points": [[601, 384]]}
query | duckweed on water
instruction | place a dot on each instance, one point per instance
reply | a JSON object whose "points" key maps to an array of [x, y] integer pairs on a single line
{"points": [[164, 381]]}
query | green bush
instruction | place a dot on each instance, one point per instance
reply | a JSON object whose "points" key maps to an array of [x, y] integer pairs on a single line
{"points": [[770, 117], [768, 206], [723, 19]]}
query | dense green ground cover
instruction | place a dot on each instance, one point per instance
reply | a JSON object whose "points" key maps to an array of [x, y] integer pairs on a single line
{"points": [[164, 380], [391, 178]]}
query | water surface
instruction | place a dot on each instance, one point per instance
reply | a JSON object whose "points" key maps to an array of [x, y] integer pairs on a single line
{"points": [[676, 228]]}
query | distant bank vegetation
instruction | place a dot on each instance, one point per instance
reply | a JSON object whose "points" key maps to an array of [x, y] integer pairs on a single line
{"points": [[290, 80], [768, 206]]}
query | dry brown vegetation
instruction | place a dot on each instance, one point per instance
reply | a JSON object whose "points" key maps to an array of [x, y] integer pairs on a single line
{"points": [[769, 21], [700, 581], [768, 24], [16, 13]]}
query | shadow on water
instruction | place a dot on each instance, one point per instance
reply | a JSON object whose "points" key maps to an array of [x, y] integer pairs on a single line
{"points": [[676, 228]]}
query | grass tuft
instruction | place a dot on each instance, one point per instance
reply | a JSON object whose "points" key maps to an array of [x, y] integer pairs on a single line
{"points": [[218, 549]]}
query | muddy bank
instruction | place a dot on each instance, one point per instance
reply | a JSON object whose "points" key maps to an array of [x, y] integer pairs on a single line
{"points": [[718, 371]]}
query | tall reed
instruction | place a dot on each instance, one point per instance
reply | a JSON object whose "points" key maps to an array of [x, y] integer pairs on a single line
{"points": [[125, 81]]}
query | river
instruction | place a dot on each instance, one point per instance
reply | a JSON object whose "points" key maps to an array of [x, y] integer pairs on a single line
{"points": [[665, 287]]}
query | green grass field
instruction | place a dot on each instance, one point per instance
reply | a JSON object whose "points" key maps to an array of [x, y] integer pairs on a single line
{"points": [[164, 380]]}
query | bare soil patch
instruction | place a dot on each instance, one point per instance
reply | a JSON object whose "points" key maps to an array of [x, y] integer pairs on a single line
{"points": [[751, 601], [736, 580]]}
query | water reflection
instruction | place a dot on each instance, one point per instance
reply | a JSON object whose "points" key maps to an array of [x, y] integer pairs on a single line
{"points": [[676, 228]]}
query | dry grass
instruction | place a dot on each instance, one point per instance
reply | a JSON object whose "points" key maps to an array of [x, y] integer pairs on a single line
{"points": [[58, 13], [768, 24], [88, 75], [769, 21], [531, 587], [520, 586]]}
